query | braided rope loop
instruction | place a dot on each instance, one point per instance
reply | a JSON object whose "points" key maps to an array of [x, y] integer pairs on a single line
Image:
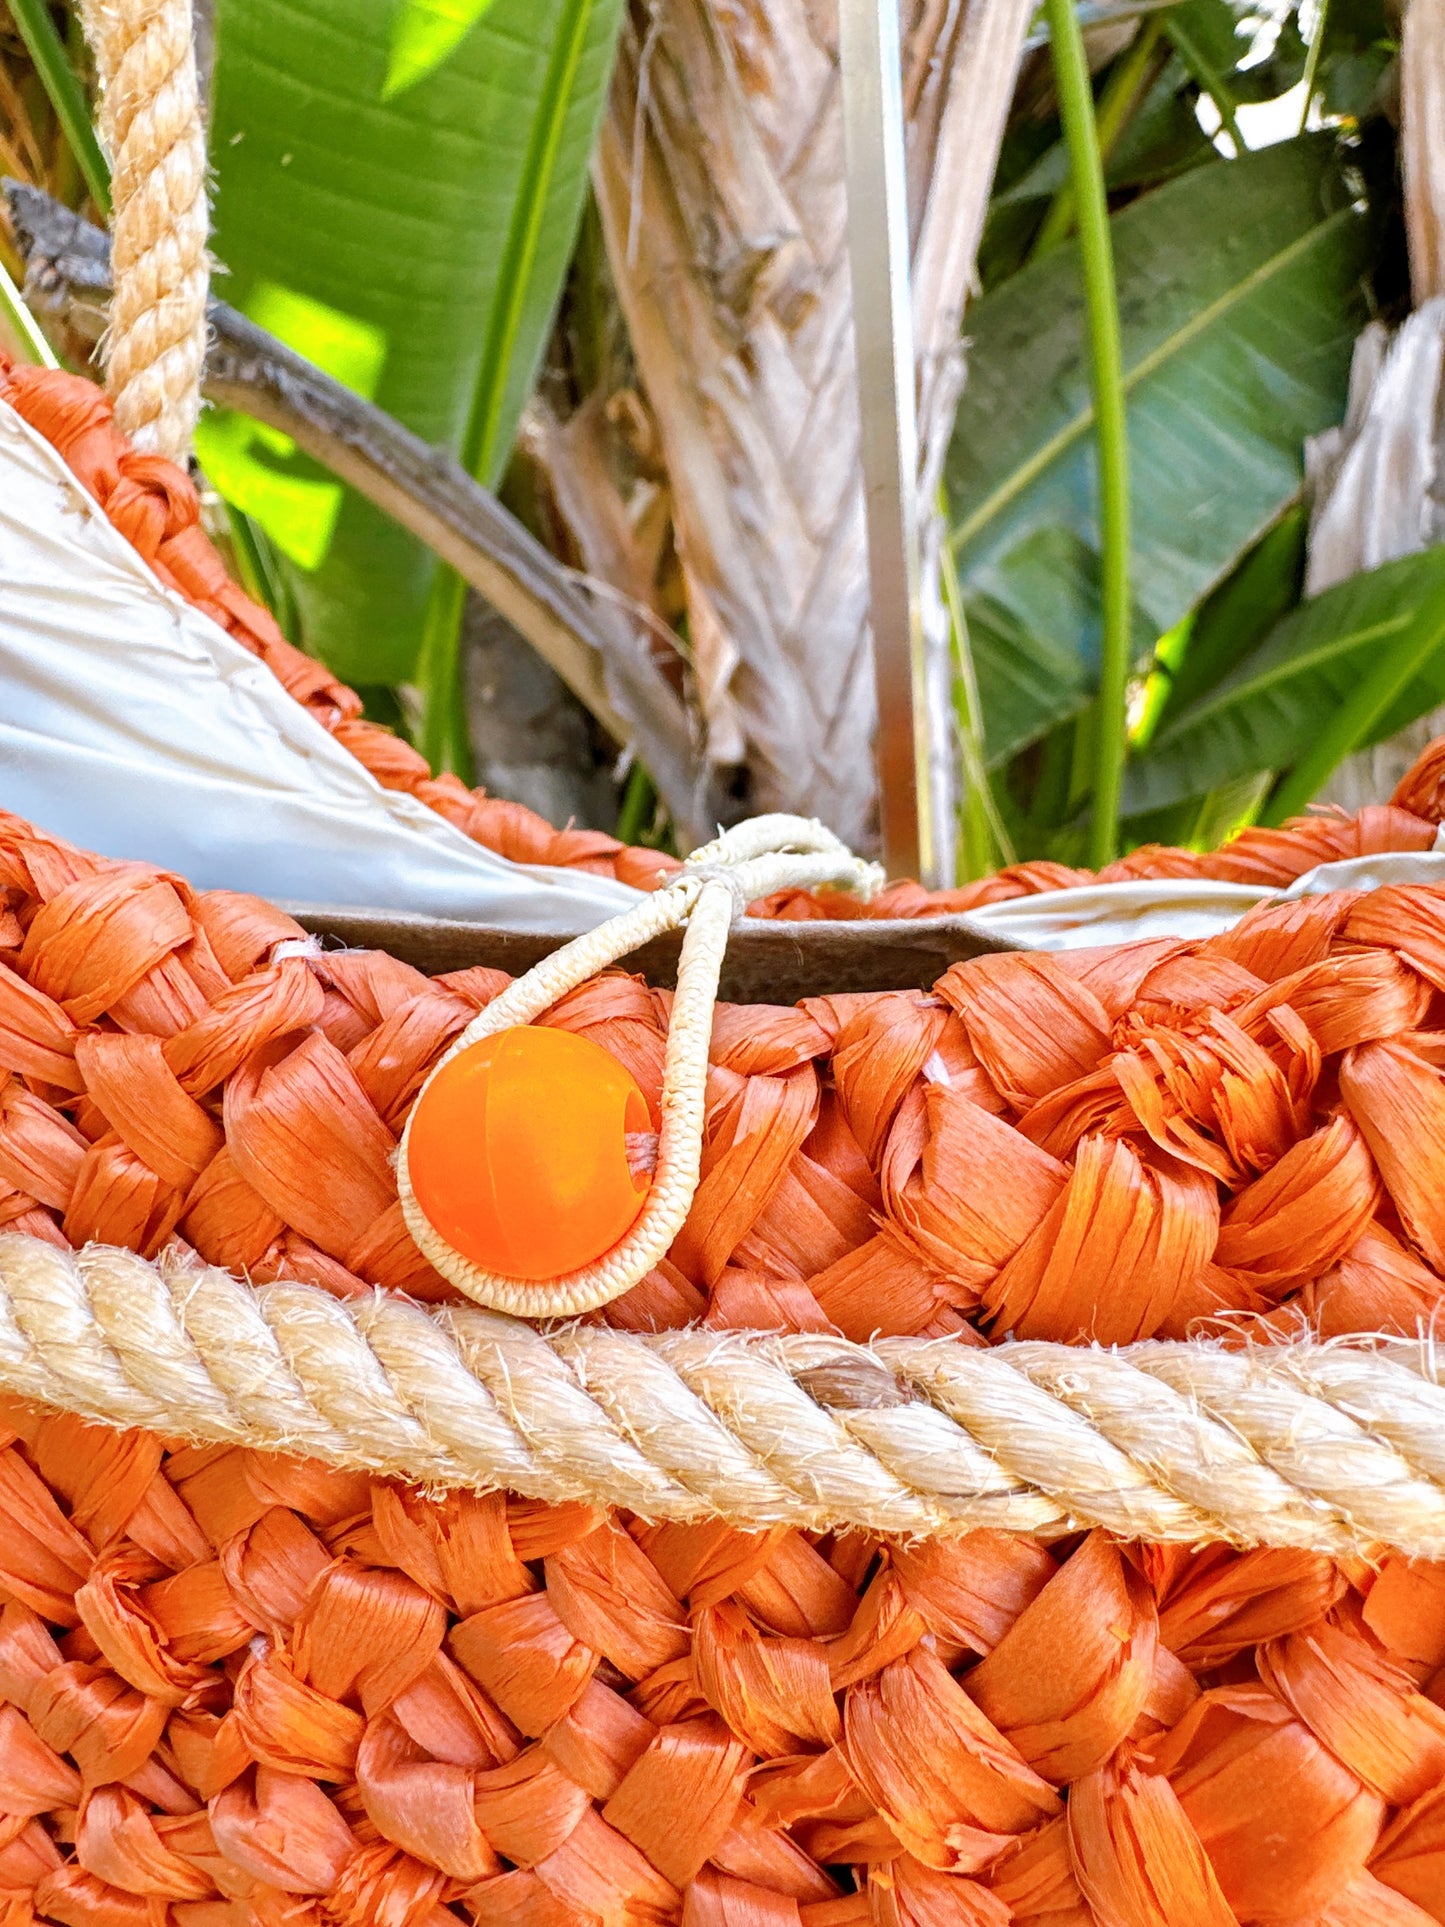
{"points": [[717, 882], [152, 128]]}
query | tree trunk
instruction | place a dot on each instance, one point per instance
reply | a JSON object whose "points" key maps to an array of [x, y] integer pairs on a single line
{"points": [[534, 743], [719, 176], [1378, 482]]}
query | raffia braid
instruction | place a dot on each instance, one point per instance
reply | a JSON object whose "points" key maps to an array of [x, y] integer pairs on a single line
{"points": [[1332, 1448], [716, 885], [152, 128]]}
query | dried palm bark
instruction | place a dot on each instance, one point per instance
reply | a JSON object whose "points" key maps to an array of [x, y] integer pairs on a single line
{"points": [[1422, 143], [1378, 482], [719, 176]]}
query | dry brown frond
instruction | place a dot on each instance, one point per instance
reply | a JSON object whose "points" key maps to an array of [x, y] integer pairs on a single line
{"points": [[720, 181]]}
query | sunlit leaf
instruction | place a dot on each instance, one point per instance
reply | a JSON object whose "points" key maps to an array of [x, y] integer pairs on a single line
{"points": [[423, 34], [427, 195], [1269, 709], [259, 469]]}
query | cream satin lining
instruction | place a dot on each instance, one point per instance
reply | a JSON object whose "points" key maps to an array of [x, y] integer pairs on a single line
{"points": [[131, 724]]}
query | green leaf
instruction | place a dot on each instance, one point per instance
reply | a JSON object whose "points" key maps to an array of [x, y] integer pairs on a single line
{"points": [[423, 33], [398, 184], [1036, 628], [1269, 711], [1162, 138], [1238, 615], [1361, 40], [1227, 32], [1203, 822], [1217, 30], [1240, 297], [1281, 69]]}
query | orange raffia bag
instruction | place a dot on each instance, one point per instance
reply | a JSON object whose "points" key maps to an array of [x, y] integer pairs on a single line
{"points": [[327, 1599], [243, 1686]]}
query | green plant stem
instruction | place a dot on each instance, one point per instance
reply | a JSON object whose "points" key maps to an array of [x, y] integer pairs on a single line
{"points": [[1076, 106], [1312, 60], [23, 326], [64, 93], [1208, 76], [1121, 94], [1349, 727], [445, 740], [638, 806], [986, 841], [480, 452]]}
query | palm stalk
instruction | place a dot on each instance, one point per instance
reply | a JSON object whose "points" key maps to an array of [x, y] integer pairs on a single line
{"points": [[1076, 107], [64, 92]]}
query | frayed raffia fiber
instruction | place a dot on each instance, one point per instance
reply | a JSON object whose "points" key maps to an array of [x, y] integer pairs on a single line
{"points": [[245, 1688]]}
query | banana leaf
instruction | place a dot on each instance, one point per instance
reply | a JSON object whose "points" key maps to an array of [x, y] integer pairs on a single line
{"points": [[1271, 708], [398, 186], [1240, 293]]}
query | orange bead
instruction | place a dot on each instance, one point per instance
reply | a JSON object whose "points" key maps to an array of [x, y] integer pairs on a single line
{"points": [[518, 1152]]}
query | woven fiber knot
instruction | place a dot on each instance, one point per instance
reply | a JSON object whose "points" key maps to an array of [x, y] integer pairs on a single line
{"points": [[780, 852], [766, 854]]}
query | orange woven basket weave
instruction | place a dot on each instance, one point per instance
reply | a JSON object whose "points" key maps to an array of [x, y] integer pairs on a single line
{"points": [[244, 1690]]}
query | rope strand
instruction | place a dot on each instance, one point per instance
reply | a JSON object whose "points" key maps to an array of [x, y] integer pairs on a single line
{"points": [[152, 129], [1336, 1448]]}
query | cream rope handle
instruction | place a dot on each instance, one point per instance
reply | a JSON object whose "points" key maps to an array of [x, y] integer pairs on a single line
{"points": [[1338, 1448], [716, 884], [152, 129]]}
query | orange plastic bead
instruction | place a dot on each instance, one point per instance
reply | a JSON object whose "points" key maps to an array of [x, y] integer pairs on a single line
{"points": [[518, 1152]]}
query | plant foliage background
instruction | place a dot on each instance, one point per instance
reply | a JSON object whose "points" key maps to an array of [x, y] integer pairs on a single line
{"points": [[402, 195], [1243, 280]]}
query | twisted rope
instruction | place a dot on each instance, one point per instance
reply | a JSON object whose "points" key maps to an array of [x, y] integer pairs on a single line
{"points": [[716, 884], [1332, 1447], [152, 129]]}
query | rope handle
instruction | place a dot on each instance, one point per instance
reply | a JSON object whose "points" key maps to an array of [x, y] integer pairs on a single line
{"points": [[715, 886], [1336, 1448], [153, 131]]}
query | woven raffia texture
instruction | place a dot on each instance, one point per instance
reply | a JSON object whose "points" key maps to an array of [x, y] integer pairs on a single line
{"points": [[250, 1690], [240, 1691]]}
